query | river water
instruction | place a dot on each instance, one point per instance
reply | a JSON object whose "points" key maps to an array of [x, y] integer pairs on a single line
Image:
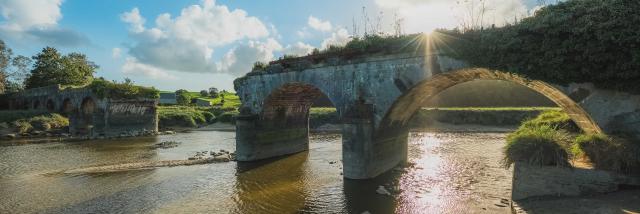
{"points": [[448, 173]]}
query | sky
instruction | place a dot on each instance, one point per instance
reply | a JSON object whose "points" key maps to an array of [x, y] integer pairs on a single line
{"points": [[197, 44]]}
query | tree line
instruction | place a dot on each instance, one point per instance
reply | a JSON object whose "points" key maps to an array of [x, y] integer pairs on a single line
{"points": [[48, 67]]}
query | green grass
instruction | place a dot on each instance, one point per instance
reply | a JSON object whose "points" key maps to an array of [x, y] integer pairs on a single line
{"points": [[26, 121], [231, 100], [321, 116], [554, 118], [608, 153], [183, 116], [540, 146]]}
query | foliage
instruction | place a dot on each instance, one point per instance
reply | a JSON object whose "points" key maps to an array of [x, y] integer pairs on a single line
{"points": [[181, 116], [5, 58], [321, 116], [183, 97], [541, 146], [228, 117], [607, 153], [258, 66], [26, 121], [126, 90], [52, 68], [555, 119], [204, 93], [573, 41]]}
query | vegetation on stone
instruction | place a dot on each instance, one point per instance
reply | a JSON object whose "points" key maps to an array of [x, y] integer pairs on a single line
{"points": [[540, 145], [608, 153], [572, 41], [125, 90], [182, 116], [555, 119]]}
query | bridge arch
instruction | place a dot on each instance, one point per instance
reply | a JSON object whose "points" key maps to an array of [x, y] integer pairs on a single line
{"points": [[411, 101], [36, 105], [67, 106], [51, 106], [281, 127]]}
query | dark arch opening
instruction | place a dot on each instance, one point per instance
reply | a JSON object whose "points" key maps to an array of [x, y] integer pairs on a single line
{"points": [[50, 105], [290, 105], [410, 102], [67, 106], [36, 104], [85, 116]]}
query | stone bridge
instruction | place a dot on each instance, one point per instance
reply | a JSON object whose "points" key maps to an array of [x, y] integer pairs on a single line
{"points": [[89, 114], [375, 96]]}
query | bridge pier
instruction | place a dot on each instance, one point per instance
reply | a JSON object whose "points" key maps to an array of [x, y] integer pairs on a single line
{"points": [[366, 154], [256, 140]]}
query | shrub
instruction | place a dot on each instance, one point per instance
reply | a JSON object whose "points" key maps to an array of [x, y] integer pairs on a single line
{"points": [[228, 117], [540, 146], [22, 126], [600, 50], [126, 90], [607, 153], [555, 119], [209, 116]]}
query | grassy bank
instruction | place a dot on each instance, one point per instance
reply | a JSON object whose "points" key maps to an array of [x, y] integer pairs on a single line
{"points": [[28, 121], [192, 116], [553, 139]]}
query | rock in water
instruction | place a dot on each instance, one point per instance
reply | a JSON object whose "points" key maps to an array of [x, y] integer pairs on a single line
{"points": [[10, 136], [382, 191]]}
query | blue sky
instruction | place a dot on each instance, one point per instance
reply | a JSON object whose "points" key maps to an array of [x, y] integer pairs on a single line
{"points": [[196, 44]]}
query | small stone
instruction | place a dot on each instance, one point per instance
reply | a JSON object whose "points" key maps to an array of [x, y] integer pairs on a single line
{"points": [[10, 136], [191, 158], [500, 205], [382, 191]]}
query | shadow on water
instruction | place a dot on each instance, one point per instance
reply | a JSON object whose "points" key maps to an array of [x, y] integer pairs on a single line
{"points": [[361, 195], [278, 185]]}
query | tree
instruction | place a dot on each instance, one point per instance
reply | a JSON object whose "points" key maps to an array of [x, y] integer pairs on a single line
{"points": [[183, 97], [5, 58], [204, 93], [19, 73], [52, 68], [213, 92]]}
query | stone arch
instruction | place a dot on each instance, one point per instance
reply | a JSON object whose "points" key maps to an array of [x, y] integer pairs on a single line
{"points": [[281, 127], [290, 104], [36, 104], [67, 106], [50, 105], [406, 105], [85, 116]]}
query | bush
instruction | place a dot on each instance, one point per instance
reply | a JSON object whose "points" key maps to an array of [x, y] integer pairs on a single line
{"points": [[555, 119], [572, 41], [209, 117], [22, 126], [540, 146], [177, 119], [228, 117], [126, 90], [607, 153], [42, 122]]}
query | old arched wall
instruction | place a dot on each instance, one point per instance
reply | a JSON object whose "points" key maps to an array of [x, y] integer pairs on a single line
{"points": [[410, 102]]}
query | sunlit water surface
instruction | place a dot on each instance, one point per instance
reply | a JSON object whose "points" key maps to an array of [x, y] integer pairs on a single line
{"points": [[448, 173]]}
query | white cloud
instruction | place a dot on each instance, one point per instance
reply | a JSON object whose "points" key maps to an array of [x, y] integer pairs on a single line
{"points": [[186, 43], [133, 67], [319, 25], [36, 21], [298, 49], [116, 53], [338, 38], [239, 60], [427, 15], [134, 19]]}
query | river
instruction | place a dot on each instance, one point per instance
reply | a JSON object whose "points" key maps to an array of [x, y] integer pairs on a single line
{"points": [[448, 173]]}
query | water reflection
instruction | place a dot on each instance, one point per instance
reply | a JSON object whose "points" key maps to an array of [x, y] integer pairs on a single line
{"points": [[449, 173]]}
